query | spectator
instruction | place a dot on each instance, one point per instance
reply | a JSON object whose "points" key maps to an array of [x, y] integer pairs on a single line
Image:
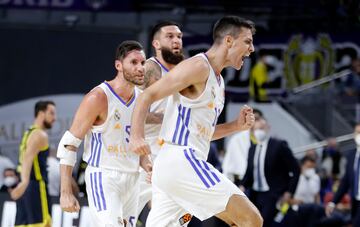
{"points": [[10, 179], [272, 172], [5, 163], [308, 187]]}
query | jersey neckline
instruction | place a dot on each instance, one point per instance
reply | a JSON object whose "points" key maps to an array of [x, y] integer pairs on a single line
{"points": [[119, 98], [218, 77], [161, 65]]}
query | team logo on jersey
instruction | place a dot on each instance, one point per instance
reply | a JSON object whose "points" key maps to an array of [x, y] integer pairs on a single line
{"points": [[117, 115], [117, 126], [185, 219], [160, 141], [211, 105]]}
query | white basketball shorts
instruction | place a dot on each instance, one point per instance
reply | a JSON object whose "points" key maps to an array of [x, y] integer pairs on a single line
{"points": [[184, 185], [113, 196]]}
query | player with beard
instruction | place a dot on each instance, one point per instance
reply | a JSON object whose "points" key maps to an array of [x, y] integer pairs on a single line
{"points": [[167, 43], [103, 119], [184, 183], [32, 204]]}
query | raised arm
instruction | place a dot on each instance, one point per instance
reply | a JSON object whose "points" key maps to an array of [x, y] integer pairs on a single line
{"points": [[89, 111], [192, 71], [37, 141]]}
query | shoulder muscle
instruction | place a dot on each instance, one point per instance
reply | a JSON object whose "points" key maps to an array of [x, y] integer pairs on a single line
{"points": [[152, 73]]}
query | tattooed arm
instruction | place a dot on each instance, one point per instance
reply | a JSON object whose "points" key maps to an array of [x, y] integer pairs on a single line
{"points": [[152, 73], [154, 118]]}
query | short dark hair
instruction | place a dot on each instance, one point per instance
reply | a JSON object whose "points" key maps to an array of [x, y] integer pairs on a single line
{"points": [[42, 106], [157, 27], [9, 169], [231, 25], [125, 47], [307, 158]]}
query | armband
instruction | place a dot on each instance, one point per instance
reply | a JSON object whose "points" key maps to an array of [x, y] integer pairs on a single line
{"points": [[66, 156]]}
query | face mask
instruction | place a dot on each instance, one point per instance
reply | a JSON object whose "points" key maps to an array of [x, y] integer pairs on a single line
{"points": [[260, 134], [10, 181], [357, 140], [309, 172]]}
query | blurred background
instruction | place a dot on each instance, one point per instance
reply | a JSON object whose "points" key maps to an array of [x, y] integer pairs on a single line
{"points": [[304, 74]]}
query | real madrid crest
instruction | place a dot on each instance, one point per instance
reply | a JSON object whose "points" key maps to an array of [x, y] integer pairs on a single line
{"points": [[117, 115]]}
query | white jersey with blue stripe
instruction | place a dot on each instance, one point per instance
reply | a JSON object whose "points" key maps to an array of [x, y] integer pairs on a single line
{"points": [[152, 131], [106, 145], [191, 122]]}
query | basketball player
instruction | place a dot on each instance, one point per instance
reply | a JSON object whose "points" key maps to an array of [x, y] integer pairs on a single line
{"points": [[103, 118], [167, 44], [184, 184], [32, 202]]}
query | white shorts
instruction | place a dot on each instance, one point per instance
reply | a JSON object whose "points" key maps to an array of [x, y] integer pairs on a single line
{"points": [[145, 194], [183, 184], [113, 196], [145, 187]]}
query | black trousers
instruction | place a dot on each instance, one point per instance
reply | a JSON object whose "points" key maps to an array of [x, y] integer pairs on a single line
{"points": [[266, 203]]}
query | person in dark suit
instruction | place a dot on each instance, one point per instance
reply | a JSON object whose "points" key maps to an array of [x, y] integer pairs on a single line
{"points": [[350, 182], [272, 173]]}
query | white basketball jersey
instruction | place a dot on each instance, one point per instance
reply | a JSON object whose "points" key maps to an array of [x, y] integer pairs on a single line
{"points": [[106, 145], [191, 122], [152, 131]]}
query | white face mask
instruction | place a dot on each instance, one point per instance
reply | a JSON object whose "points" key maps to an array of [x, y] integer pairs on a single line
{"points": [[260, 135], [357, 139], [309, 172], [10, 181]]}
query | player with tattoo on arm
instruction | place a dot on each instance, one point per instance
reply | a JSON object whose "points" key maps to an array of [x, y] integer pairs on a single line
{"points": [[167, 45]]}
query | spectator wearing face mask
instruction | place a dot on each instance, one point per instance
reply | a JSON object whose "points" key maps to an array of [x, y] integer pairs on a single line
{"points": [[10, 179], [306, 208], [350, 182], [308, 187], [272, 172], [5, 163]]}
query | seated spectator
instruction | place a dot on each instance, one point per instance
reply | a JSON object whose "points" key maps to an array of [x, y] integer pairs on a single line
{"points": [[308, 187]]}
